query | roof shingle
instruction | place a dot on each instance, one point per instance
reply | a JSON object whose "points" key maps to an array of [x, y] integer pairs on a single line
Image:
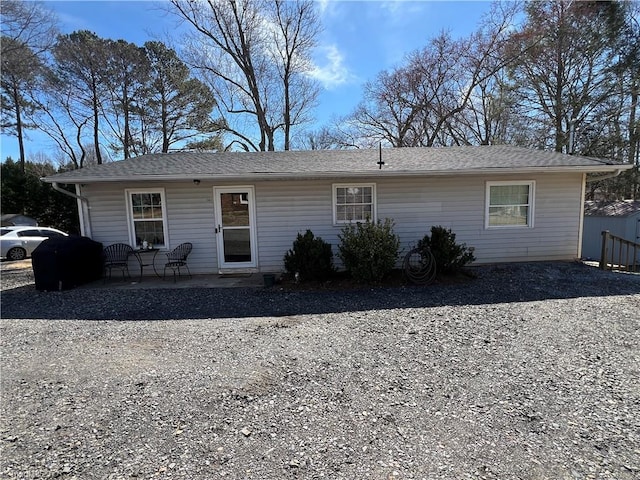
{"points": [[619, 208], [332, 163]]}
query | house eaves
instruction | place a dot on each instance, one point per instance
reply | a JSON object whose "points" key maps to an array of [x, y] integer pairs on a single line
{"points": [[384, 173], [397, 162]]}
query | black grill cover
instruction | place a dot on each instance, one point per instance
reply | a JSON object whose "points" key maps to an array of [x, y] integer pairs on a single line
{"points": [[62, 263]]}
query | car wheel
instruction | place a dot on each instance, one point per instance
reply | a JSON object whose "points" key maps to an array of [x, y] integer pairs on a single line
{"points": [[16, 253]]}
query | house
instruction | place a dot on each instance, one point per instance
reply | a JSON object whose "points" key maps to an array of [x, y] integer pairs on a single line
{"points": [[242, 211], [620, 218], [17, 219]]}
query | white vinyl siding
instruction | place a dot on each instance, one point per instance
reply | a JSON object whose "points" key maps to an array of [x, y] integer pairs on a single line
{"points": [[190, 218], [509, 204], [286, 208], [416, 204]]}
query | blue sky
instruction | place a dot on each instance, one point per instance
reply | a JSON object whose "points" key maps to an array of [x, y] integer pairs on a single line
{"points": [[359, 39]]}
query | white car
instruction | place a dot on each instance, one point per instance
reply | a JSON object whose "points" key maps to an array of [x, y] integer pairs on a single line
{"points": [[17, 243]]}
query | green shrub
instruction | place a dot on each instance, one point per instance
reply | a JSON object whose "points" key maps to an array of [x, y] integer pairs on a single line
{"points": [[311, 257], [369, 250], [450, 257]]}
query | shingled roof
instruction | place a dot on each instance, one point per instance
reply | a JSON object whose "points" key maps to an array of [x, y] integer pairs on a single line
{"points": [[618, 208], [333, 164]]}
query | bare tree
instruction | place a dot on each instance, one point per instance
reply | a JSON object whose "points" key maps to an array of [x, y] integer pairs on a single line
{"points": [[20, 69], [333, 137], [126, 72], [30, 24], [626, 30], [490, 115], [254, 54], [62, 119], [295, 32], [422, 102], [28, 31], [175, 107], [390, 109], [566, 77], [80, 60]]}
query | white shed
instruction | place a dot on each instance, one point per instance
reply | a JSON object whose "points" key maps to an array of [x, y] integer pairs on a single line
{"points": [[620, 218]]}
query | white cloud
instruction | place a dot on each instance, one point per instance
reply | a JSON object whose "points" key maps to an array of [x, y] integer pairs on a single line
{"points": [[332, 72], [401, 11], [393, 7], [322, 5]]}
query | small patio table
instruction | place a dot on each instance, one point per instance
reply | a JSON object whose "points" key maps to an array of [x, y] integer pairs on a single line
{"points": [[146, 258]]}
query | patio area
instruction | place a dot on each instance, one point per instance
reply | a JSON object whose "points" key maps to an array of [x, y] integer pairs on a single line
{"points": [[19, 273], [196, 281]]}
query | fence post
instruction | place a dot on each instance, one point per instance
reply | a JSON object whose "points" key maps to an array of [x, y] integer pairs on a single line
{"points": [[604, 254]]}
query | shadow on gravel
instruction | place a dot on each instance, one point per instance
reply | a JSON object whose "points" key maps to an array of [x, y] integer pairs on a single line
{"points": [[495, 284]]}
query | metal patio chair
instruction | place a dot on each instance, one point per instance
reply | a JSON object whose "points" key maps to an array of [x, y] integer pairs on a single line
{"points": [[177, 258], [117, 256]]}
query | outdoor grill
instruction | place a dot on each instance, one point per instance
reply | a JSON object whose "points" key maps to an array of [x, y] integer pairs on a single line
{"points": [[63, 263]]}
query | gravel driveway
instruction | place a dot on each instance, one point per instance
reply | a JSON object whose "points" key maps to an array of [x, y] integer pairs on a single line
{"points": [[526, 372]]}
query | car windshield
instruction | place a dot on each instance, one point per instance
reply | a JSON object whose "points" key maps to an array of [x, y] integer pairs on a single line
{"points": [[4, 231]]}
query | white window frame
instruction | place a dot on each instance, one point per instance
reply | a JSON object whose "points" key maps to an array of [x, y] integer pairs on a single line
{"points": [[531, 204], [374, 202], [131, 221]]}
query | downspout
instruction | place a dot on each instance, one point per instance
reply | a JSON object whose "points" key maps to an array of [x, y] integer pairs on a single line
{"points": [[83, 208]]}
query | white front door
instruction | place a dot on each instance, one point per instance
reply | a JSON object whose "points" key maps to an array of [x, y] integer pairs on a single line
{"points": [[235, 227]]}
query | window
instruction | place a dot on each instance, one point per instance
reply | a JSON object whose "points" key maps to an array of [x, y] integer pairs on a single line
{"points": [[50, 233], [147, 217], [353, 203], [29, 233], [509, 204]]}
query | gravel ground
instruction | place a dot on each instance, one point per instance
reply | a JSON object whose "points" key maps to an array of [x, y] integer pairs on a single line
{"points": [[526, 372]]}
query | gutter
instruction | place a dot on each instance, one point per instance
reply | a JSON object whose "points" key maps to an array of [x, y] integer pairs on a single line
{"points": [[605, 176], [58, 188], [83, 207]]}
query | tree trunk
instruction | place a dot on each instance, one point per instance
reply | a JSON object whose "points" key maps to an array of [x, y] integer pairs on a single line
{"points": [[287, 115], [558, 110], [634, 138], [96, 129], [20, 135], [634, 133], [271, 147], [165, 127], [127, 134]]}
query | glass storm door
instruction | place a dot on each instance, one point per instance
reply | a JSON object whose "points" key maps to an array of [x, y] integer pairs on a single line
{"points": [[235, 227]]}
